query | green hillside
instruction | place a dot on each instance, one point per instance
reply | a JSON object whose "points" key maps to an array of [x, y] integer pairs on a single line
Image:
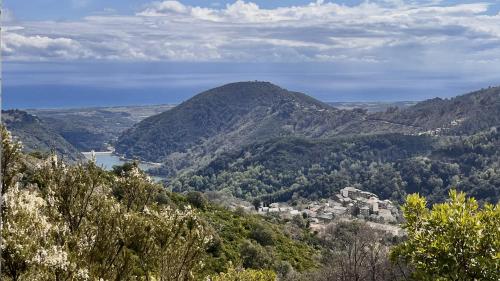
{"points": [[465, 114], [37, 136], [391, 166], [227, 117]]}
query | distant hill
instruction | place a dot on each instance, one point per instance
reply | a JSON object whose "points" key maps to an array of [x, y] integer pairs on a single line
{"points": [[234, 115], [37, 135], [462, 115], [95, 128], [430, 147], [98, 128], [228, 117]]}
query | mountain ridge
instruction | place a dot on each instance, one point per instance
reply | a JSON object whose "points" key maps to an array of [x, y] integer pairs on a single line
{"points": [[242, 112], [36, 136], [463, 114], [229, 117]]}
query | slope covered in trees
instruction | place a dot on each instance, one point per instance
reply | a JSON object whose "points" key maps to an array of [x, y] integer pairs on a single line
{"points": [[229, 117], [461, 115], [38, 136], [95, 128], [391, 166]]}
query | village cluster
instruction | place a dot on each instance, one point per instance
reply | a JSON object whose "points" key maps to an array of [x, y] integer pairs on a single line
{"points": [[350, 203]]}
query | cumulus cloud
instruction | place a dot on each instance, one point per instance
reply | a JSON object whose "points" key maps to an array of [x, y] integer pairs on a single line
{"points": [[384, 32], [38, 47]]}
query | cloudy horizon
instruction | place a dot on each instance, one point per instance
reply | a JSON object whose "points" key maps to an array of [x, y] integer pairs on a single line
{"points": [[164, 52]]}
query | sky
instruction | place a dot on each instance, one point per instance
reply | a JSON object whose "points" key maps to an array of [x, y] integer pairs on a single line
{"points": [[100, 53]]}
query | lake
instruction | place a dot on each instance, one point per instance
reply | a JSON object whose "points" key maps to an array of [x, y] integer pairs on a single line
{"points": [[107, 160]]}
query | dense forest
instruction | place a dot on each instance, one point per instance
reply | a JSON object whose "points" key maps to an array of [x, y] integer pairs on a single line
{"points": [[390, 166]]}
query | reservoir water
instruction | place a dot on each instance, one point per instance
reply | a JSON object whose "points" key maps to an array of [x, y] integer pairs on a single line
{"points": [[107, 160]]}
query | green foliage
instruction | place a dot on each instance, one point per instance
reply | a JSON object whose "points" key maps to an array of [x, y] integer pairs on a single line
{"points": [[280, 169], [390, 166], [245, 275], [237, 243], [11, 159], [263, 109], [37, 135], [255, 256], [197, 199], [475, 112], [263, 235], [82, 223], [456, 240]]}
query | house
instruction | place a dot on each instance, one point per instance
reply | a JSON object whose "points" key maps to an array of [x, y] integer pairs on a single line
{"points": [[364, 211], [373, 204], [274, 210]]}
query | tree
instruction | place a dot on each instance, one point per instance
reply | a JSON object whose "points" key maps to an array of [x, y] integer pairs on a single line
{"points": [[355, 252], [197, 199], [82, 223], [262, 234], [11, 155], [245, 275], [455, 240], [135, 189], [255, 256], [29, 248], [256, 203]]}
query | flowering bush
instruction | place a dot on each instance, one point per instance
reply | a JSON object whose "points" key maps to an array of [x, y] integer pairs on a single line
{"points": [[82, 223]]}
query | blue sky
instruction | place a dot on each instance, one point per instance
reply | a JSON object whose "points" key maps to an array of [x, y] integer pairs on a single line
{"points": [[74, 9], [115, 52]]}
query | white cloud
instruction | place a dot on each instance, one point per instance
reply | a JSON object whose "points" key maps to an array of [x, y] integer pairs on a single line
{"points": [[20, 47], [418, 33]]}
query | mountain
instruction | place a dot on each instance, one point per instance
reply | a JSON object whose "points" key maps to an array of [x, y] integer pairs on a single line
{"points": [[37, 135], [461, 115], [229, 117], [441, 144]]}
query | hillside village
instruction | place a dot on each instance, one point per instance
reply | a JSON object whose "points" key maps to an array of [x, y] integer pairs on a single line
{"points": [[349, 204]]}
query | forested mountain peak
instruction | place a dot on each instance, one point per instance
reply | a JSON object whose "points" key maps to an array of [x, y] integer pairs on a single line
{"points": [[228, 116], [235, 115], [253, 93]]}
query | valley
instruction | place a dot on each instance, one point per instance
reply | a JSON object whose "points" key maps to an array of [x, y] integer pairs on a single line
{"points": [[250, 140], [258, 141], [271, 179]]}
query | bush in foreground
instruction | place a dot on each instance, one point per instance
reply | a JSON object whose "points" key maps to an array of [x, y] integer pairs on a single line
{"points": [[456, 240]]}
